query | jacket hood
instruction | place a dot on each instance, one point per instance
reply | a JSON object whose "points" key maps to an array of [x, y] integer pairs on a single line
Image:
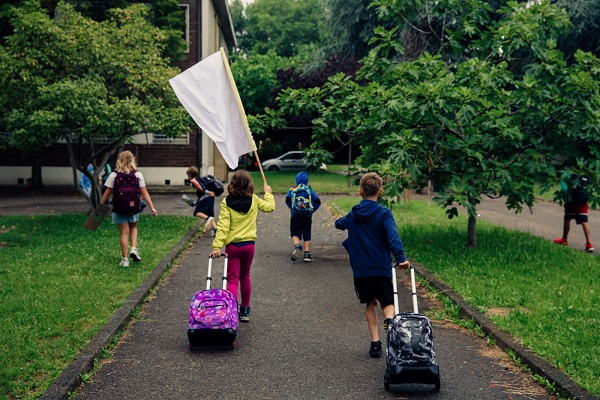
{"points": [[364, 211], [239, 204], [302, 178]]}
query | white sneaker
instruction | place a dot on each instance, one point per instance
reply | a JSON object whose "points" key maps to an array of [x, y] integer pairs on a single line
{"points": [[124, 262], [188, 200], [135, 256], [208, 224]]}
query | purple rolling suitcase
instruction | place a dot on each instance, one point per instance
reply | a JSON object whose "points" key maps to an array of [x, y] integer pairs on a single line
{"points": [[410, 354], [213, 314]]}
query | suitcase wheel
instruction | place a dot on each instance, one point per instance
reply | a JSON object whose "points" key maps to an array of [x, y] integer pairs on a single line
{"points": [[232, 346], [438, 384], [386, 384]]}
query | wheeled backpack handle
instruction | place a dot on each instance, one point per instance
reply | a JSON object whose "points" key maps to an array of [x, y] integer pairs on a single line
{"points": [[414, 290], [209, 277]]}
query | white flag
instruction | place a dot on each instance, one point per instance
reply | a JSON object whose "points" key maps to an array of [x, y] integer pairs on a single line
{"points": [[208, 93]]}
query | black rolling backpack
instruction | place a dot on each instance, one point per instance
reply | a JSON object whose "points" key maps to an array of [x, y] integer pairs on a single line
{"points": [[410, 353]]}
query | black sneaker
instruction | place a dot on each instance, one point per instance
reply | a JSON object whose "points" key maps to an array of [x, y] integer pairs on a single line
{"points": [[245, 314], [307, 257], [296, 253], [375, 350], [386, 323]]}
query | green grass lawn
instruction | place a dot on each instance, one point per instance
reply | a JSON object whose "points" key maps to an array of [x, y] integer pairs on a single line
{"points": [[549, 294], [339, 168], [323, 182], [59, 284]]}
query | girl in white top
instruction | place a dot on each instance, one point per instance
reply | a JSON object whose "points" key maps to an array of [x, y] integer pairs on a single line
{"points": [[128, 228]]}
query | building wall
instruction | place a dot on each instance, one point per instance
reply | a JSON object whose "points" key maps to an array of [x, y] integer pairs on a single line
{"points": [[162, 164], [168, 163], [212, 40], [203, 16], [192, 57]]}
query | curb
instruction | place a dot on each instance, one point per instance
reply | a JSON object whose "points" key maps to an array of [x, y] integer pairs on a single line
{"points": [[538, 365], [70, 379]]}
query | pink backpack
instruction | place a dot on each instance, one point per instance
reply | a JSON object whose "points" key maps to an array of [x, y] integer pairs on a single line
{"points": [[214, 314], [214, 309], [126, 194]]}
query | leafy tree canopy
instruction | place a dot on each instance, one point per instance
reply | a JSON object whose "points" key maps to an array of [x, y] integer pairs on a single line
{"points": [[495, 111], [91, 84], [350, 25], [284, 26], [585, 35], [281, 45], [164, 14]]}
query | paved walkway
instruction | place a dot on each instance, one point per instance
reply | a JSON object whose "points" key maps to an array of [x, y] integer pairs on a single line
{"points": [[307, 337]]}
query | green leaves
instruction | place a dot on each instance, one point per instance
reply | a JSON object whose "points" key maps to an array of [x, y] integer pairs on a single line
{"points": [[256, 79], [492, 117], [86, 82], [282, 26]]}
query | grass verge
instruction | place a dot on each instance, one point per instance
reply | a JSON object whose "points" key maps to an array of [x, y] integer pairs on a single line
{"points": [[59, 284], [544, 295], [322, 182]]}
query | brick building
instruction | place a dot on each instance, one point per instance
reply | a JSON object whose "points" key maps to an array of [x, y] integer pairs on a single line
{"points": [[162, 160]]}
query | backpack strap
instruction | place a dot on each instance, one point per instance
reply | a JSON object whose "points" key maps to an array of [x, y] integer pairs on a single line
{"points": [[196, 184]]}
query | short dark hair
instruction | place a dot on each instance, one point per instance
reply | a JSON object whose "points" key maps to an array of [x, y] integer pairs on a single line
{"points": [[192, 172], [370, 184]]}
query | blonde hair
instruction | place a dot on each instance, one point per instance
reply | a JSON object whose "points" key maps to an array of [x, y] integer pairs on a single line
{"points": [[370, 184], [126, 162]]}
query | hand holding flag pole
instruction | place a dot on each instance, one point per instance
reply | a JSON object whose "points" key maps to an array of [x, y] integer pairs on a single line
{"points": [[208, 92]]}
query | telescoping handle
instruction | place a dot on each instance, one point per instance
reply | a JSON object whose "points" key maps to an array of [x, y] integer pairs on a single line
{"points": [[209, 277], [414, 291]]}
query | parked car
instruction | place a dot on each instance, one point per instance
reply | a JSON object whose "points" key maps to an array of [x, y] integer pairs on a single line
{"points": [[290, 161]]}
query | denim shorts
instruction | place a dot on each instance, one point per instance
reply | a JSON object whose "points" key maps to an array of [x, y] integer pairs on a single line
{"points": [[121, 219]]}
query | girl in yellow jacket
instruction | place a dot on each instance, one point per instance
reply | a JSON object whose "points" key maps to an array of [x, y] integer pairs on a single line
{"points": [[236, 230]]}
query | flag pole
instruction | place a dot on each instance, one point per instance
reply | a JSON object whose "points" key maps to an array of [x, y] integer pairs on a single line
{"points": [[242, 112]]}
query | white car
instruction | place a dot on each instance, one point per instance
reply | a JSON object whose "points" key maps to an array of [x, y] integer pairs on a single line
{"points": [[290, 161]]}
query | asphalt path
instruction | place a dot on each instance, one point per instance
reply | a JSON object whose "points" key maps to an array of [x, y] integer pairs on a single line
{"points": [[307, 337]]}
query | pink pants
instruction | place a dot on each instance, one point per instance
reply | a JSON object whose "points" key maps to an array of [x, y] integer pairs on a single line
{"points": [[238, 271]]}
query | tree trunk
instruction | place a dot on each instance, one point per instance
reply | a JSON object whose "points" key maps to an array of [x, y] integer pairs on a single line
{"points": [[472, 231], [96, 194], [36, 174]]}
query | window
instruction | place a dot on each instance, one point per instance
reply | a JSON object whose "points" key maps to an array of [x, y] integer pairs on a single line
{"points": [[164, 139], [186, 30]]}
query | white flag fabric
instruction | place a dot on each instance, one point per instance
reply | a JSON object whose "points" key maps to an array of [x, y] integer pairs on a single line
{"points": [[207, 94]]}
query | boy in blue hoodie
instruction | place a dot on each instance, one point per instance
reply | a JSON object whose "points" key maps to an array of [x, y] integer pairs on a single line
{"points": [[372, 239], [303, 201]]}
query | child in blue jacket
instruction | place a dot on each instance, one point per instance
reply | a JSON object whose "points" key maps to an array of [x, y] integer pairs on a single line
{"points": [[302, 201], [372, 239]]}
